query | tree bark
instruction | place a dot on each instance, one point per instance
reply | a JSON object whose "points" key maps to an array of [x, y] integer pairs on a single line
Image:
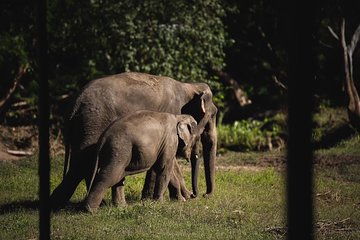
{"points": [[351, 91], [239, 94], [4, 100]]}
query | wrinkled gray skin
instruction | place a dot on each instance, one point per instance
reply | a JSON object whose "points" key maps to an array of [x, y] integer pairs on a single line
{"points": [[103, 100], [136, 143]]}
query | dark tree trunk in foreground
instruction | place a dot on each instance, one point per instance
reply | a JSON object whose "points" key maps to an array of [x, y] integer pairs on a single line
{"points": [[300, 45], [43, 123]]}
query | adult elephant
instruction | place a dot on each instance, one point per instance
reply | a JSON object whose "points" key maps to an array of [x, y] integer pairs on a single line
{"points": [[102, 100]]}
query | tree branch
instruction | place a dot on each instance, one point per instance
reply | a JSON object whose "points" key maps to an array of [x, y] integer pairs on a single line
{"points": [[354, 40], [14, 84], [240, 94], [278, 83], [333, 33]]}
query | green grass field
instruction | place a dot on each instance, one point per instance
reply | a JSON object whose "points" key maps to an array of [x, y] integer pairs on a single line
{"points": [[249, 203]]}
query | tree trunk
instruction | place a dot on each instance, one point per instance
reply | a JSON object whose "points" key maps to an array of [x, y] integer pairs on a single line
{"points": [[351, 91], [5, 99], [240, 94]]}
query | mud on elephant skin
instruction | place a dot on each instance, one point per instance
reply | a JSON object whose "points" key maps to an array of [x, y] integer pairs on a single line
{"points": [[136, 143], [105, 99]]}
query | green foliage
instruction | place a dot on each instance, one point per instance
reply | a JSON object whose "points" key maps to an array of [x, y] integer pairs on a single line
{"points": [[248, 134], [328, 119], [16, 40], [88, 39], [348, 146], [106, 36]]}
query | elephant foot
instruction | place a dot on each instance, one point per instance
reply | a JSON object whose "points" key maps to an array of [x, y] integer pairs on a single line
{"points": [[146, 195], [208, 195], [90, 209], [182, 199], [56, 205], [120, 203], [159, 198], [187, 194], [179, 198]]}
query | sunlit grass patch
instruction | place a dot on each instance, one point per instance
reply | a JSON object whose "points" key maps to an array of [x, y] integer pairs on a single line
{"points": [[247, 204]]}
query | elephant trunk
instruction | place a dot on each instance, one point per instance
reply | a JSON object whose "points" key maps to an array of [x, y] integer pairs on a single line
{"points": [[209, 142], [195, 163], [209, 166]]}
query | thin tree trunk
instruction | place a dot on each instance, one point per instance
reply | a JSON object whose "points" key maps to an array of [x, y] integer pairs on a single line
{"points": [[240, 94], [354, 101], [5, 100], [350, 88]]}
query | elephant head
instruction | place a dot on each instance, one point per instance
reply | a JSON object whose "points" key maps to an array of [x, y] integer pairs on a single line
{"points": [[186, 129]]}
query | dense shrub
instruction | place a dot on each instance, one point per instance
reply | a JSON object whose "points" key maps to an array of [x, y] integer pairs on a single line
{"points": [[249, 135]]}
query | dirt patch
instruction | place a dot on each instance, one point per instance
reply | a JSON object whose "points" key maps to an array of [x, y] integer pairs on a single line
{"points": [[238, 160], [17, 141], [319, 160], [242, 167], [22, 141], [325, 228], [336, 160], [4, 155]]}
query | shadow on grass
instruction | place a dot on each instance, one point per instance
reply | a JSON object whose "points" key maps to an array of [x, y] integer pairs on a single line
{"points": [[18, 206], [335, 136]]}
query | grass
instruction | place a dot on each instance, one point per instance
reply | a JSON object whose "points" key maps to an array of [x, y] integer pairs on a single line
{"points": [[348, 146], [249, 204], [229, 214]]}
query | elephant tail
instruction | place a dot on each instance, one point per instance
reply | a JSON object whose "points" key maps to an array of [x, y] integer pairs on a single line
{"points": [[100, 144], [67, 159], [67, 151]]}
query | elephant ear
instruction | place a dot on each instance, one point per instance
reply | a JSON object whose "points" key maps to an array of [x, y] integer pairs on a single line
{"points": [[197, 106], [202, 99], [205, 96], [185, 128]]}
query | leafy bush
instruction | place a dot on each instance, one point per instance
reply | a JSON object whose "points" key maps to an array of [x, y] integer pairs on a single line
{"points": [[89, 39], [249, 134], [107, 37]]}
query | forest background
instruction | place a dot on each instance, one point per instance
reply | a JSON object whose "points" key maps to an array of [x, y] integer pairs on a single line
{"points": [[237, 47]]}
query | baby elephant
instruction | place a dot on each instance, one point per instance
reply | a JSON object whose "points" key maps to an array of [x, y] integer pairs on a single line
{"points": [[136, 143]]}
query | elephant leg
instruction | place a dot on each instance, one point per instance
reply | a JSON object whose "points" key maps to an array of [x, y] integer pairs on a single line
{"points": [[62, 193], [106, 178], [149, 185], [118, 193], [180, 178], [163, 178], [174, 185]]}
